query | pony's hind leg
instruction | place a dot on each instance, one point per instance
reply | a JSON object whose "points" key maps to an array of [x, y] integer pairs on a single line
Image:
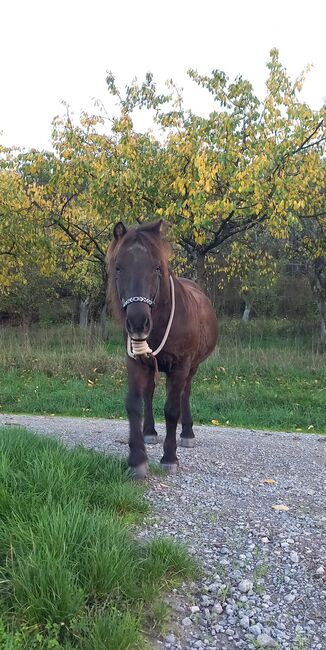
{"points": [[187, 438], [150, 434]]}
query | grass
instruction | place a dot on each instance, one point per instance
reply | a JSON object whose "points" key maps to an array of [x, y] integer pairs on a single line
{"points": [[71, 573], [267, 374]]}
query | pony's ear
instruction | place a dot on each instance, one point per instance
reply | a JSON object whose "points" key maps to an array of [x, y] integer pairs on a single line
{"points": [[162, 227], [158, 226], [119, 230], [153, 226], [165, 227]]}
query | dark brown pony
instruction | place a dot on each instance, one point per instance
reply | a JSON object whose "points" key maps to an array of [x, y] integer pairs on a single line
{"points": [[141, 288]]}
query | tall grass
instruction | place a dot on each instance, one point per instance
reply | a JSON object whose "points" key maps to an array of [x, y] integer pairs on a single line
{"points": [[71, 573], [264, 374]]}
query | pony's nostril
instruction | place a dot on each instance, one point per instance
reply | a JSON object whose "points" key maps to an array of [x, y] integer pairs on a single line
{"points": [[138, 324]]}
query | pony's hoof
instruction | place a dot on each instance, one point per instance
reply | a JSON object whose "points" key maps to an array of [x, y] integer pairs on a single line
{"points": [[139, 472], [189, 443], [170, 468], [150, 440]]}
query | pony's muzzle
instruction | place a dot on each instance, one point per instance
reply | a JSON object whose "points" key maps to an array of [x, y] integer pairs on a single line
{"points": [[138, 321]]}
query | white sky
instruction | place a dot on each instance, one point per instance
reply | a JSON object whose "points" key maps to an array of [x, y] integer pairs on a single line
{"points": [[54, 50]]}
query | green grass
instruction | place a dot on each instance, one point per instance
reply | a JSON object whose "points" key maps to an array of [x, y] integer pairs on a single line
{"points": [[71, 573], [264, 375]]}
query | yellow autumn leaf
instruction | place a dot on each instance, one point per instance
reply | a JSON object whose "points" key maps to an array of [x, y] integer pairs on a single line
{"points": [[269, 481], [280, 507], [216, 422]]}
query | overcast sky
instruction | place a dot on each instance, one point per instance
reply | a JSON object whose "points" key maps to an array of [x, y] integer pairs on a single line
{"points": [[55, 50]]}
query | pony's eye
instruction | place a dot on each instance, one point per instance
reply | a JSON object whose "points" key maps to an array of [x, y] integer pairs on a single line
{"points": [[117, 268]]}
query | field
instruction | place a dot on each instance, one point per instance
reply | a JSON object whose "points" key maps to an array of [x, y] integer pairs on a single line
{"points": [[265, 374], [71, 573]]}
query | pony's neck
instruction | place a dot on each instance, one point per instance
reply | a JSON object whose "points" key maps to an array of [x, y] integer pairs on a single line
{"points": [[161, 313]]}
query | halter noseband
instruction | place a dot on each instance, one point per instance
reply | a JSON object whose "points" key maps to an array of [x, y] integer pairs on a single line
{"points": [[147, 301]]}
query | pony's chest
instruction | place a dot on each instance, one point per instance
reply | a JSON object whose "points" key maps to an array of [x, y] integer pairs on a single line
{"points": [[165, 362]]}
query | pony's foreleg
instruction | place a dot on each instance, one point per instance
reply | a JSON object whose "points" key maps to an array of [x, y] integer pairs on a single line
{"points": [[150, 435], [187, 438], [175, 386], [137, 376]]}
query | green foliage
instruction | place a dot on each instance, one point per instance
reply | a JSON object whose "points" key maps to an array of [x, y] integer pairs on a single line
{"points": [[249, 164]]}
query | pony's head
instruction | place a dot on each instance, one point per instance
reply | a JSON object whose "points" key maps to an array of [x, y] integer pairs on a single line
{"points": [[137, 264]]}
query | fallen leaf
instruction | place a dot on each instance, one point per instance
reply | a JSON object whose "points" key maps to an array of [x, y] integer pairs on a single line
{"points": [[215, 422], [163, 485], [280, 506], [269, 481], [311, 426]]}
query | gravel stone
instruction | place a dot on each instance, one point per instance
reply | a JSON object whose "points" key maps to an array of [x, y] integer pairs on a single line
{"points": [[256, 629], [290, 598], [266, 641], [170, 638], [228, 524], [245, 585], [218, 608]]}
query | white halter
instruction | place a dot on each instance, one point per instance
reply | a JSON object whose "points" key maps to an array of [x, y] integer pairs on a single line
{"points": [[137, 348]]}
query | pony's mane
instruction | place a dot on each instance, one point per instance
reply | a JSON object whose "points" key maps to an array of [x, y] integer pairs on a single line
{"points": [[148, 235]]}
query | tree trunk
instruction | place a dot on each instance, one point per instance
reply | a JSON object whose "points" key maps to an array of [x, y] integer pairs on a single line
{"points": [[26, 323], [198, 273], [317, 278], [322, 311], [246, 313], [84, 306], [201, 274], [104, 323], [197, 267]]}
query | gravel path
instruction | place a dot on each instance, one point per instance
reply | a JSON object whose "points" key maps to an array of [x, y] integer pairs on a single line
{"points": [[265, 579]]}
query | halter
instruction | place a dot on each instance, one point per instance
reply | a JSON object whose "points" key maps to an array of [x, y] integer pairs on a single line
{"points": [[137, 348], [148, 301]]}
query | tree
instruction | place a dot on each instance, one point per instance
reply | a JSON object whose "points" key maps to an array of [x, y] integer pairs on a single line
{"points": [[252, 260], [249, 162], [307, 246]]}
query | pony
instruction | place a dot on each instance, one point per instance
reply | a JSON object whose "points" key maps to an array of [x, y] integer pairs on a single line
{"points": [[169, 326]]}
